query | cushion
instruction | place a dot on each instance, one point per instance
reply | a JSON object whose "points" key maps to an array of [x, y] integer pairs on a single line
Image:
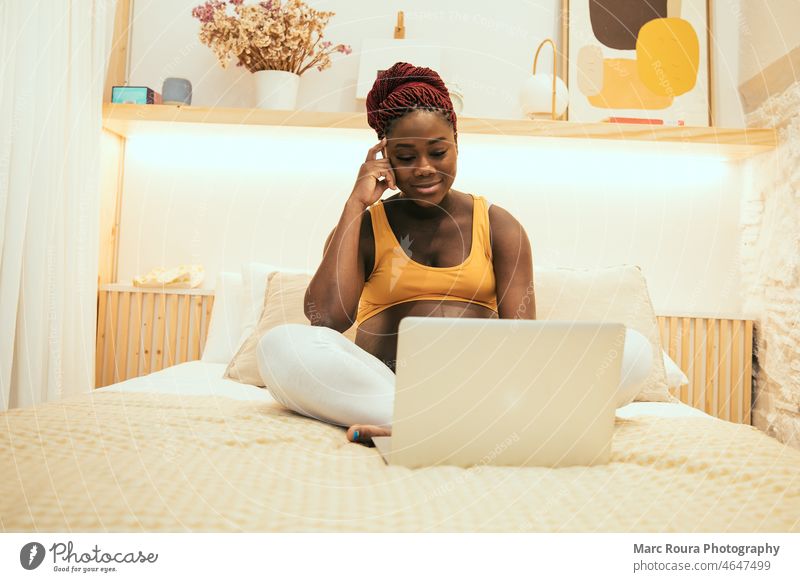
{"points": [[254, 287], [283, 303], [675, 376], [609, 294], [225, 328]]}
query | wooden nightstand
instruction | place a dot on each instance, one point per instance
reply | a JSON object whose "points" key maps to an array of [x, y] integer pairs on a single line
{"points": [[142, 330]]}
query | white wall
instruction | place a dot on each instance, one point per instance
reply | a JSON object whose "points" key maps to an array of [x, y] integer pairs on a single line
{"points": [[768, 30], [488, 51], [273, 194]]}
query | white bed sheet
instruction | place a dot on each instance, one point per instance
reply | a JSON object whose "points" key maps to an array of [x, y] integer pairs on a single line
{"points": [[196, 378], [205, 379]]}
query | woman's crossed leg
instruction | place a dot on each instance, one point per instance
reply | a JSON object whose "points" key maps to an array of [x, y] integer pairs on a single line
{"points": [[317, 372]]}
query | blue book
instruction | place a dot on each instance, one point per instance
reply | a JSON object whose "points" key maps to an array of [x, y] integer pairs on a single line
{"points": [[135, 95]]}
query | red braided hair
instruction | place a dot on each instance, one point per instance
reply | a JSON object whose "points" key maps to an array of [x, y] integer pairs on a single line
{"points": [[403, 88]]}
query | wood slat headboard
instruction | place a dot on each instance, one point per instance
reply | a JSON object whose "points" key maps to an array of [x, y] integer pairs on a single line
{"points": [[140, 331], [717, 356]]}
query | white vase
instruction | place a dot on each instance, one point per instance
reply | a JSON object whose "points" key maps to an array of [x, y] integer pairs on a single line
{"points": [[276, 89]]}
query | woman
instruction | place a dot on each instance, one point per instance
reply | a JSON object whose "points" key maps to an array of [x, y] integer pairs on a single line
{"points": [[429, 250]]}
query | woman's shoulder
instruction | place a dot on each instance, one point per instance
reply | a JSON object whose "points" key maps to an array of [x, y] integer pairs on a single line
{"points": [[501, 218], [472, 196], [466, 199], [505, 231]]}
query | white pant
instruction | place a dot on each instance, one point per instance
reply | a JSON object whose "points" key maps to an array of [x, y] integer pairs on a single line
{"points": [[317, 372]]}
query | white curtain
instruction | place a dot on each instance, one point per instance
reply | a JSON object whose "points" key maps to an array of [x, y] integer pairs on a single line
{"points": [[53, 58]]}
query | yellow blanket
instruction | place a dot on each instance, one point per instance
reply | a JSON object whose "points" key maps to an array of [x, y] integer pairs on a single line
{"points": [[145, 462]]}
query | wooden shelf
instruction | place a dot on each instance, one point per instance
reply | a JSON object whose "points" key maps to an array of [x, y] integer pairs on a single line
{"points": [[127, 120]]}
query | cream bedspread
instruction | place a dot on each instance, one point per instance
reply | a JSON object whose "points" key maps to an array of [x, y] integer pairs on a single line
{"points": [[134, 462]]}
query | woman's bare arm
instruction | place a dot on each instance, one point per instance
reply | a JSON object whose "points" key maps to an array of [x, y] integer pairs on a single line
{"points": [[513, 266], [332, 296]]}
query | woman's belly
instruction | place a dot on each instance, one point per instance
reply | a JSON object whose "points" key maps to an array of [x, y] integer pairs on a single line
{"points": [[378, 335]]}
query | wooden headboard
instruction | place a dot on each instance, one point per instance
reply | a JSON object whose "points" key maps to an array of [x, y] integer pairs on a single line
{"points": [[717, 356], [140, 331]]}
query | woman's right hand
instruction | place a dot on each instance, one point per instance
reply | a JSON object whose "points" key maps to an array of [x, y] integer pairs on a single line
{"points": [[374, 177], [363, 433]]}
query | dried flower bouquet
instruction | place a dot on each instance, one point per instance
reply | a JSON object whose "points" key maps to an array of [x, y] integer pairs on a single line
{"points": [[268, 35]]}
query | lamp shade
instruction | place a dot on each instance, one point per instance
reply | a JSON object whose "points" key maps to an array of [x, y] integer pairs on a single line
{"points": [[456, 96], [536, 96]]}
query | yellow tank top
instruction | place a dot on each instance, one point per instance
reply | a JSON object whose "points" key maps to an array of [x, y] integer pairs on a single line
{"points": [[396, 278]]}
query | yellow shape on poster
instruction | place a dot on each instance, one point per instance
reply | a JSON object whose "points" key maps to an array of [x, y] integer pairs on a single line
{"points": [[668, 56], [622, 88]]}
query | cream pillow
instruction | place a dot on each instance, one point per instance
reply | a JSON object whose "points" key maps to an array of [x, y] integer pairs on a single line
{"points": [[254, 286], [283, 303], [612, 294]]}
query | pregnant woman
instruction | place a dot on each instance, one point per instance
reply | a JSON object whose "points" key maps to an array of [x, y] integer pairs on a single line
{"points": [[429, 250]]}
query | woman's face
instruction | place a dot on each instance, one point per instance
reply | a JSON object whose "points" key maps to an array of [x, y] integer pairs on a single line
{"points": [[422, 151]]}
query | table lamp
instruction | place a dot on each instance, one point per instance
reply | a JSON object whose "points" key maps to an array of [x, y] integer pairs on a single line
{"points": [[544, 94]]}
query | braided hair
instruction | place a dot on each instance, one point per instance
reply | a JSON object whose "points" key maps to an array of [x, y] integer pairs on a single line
{"points": [[404, 88]]}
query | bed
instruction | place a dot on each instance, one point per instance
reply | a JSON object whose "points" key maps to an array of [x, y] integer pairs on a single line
{"points": [[183, 449], [186, 448]]}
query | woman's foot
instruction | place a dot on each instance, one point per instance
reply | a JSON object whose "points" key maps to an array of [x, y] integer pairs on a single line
{"points": [[363, 433]]}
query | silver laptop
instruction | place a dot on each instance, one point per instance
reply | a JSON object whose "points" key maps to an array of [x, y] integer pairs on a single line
{"points": [[503, 392]]}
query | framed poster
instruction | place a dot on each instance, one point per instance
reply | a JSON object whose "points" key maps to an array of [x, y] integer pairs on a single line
{"points": [[638, 61]]}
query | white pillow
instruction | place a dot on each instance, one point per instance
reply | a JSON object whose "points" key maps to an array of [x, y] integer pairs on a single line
{"points": [[610, 294], [675, 376], [224, 331], [254, 290]]}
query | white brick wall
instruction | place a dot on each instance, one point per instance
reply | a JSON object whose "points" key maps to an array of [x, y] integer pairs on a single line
{"points": [[770, 216]]}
